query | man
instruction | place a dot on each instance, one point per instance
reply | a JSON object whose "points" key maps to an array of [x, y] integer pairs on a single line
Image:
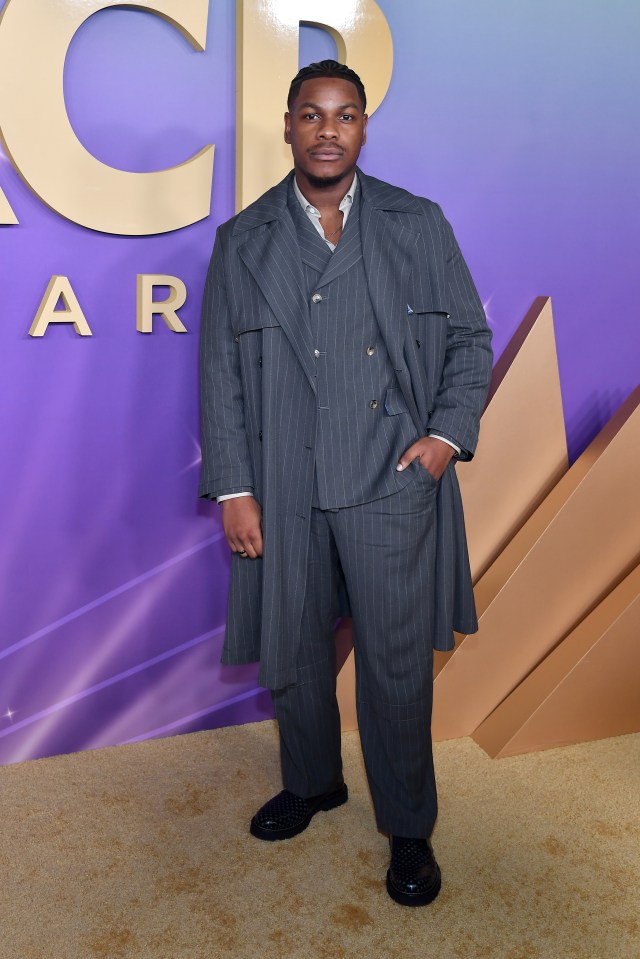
{"points": [[345, 361]]}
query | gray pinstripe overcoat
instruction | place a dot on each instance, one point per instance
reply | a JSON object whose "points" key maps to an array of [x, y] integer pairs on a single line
{"points": [[258, 396]]}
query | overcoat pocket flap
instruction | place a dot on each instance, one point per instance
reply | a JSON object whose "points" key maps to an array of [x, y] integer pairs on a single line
{"points": [[251, 322], [423, 306], [427, 298]]}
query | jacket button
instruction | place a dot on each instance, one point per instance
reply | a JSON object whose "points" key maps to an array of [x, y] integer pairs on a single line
{"points": [[260, 436], [371, 350], [316, 353], [237, 339], [316, 298], [418, 344], [373, 404]]}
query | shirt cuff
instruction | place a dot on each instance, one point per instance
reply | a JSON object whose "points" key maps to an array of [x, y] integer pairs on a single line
{"points": [[221, 499], [453, 446]]}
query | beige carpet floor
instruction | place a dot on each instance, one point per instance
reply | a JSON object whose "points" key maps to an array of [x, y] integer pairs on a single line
{"points": [[143, 851]]}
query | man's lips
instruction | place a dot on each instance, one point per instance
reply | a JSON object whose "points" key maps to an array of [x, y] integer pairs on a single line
{"points": [[326, 154]]}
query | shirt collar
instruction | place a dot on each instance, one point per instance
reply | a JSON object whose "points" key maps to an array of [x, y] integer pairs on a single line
{"points": [[346, 201]]}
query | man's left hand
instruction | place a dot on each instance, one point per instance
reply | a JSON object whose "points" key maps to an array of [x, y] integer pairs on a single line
{"points": [[434, 455]]}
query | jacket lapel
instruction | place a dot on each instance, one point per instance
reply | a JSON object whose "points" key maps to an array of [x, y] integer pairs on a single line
{"points": [[348, 250], [313, 251], [271, 255]]}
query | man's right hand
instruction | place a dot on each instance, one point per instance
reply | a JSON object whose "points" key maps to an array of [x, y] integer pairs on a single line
{"points": [[242, 524]]}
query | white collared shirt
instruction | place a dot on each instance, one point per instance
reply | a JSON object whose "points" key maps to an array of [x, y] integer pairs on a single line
{"points": [[314, 214]]}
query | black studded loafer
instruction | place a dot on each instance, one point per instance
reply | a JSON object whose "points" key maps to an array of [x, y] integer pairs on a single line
{"points": [[414, 877], [286, 814]]}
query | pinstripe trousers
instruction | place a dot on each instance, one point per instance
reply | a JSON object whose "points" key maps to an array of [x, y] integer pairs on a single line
{"points": [[383, 553]]}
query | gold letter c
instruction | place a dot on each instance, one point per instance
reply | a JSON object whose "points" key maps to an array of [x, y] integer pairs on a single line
{"points": [[34, 39]]}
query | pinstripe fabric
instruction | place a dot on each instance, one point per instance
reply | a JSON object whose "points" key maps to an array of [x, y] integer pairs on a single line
{"points": [[382, 553], [385, 551], [356, 447], [307, 713], [259, 396]]}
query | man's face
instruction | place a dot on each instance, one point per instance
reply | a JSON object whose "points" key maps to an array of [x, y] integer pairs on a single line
{"points": [[326, 129]]}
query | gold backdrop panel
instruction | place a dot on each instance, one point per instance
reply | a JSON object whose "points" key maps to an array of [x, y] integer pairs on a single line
{"points": [[587, 688], [523, 449], [562, 562]]}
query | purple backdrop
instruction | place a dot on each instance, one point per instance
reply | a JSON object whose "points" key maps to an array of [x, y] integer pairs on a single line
{"points": [[518, 118]]}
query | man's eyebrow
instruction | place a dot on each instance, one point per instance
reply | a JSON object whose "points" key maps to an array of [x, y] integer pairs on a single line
{"points": [[315, 106]]}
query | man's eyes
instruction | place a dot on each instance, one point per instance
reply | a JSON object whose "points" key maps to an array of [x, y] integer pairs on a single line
{"points": [[316, 116]]}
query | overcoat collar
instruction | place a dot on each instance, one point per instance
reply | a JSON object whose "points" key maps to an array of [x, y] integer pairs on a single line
{"points": [[272, 204], [389, 229]]}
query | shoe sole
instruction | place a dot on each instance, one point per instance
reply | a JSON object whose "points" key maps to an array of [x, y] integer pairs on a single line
{"points": [[406, 899], [332, 801]]}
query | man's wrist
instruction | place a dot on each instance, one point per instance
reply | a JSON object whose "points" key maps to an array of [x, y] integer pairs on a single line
{"points": [[443, 439], [221, 499]]}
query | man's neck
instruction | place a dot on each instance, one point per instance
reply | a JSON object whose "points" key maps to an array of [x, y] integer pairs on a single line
{"points": [[324, 197]]}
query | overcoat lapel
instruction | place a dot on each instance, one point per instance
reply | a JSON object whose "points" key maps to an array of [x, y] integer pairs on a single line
{"points": [[272, 257], [388, 249]]}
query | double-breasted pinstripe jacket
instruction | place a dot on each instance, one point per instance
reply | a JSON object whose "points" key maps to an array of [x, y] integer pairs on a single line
{"points": [[259, 407]]}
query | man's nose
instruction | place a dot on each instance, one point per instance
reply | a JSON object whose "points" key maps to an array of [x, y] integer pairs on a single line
{"points": [[328, 131]]}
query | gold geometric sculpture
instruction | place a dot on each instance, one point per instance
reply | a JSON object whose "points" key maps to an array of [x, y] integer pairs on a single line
{"points": [[523, 448], [508, 477], [588, 687], [571, 552], [549, 547]]}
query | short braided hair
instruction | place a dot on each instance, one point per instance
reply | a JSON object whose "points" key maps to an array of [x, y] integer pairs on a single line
{"points": [[326, 68]]}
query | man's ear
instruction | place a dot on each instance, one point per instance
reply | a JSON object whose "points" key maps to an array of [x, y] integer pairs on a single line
{"points": [[365, 120], [287, 128]]}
